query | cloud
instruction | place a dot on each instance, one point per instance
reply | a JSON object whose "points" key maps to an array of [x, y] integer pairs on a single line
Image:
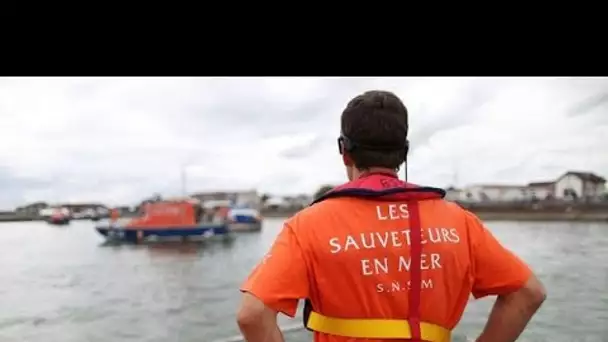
{"points": [[118, 140]]}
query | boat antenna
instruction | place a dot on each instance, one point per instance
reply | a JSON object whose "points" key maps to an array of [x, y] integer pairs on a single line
{"points": [[183, 180]]}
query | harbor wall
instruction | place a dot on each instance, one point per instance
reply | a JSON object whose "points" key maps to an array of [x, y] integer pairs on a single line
{"points": [[13, 217]]}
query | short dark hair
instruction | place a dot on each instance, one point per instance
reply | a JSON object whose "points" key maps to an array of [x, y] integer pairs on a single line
{"points": [[376, 118]]}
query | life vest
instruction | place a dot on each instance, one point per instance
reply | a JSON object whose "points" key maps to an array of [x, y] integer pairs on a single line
{"points": [[382, 186]]}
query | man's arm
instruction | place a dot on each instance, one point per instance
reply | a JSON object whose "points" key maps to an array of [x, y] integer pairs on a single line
{"points": [[512, 312], [258, 322], [276, 285], [497, 271]]}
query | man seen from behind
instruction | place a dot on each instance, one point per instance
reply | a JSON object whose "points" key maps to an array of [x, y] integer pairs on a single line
{"points": [[379, 259]]}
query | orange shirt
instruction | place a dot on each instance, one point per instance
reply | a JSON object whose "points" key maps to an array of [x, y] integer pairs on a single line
{"points": [[351, 257]]}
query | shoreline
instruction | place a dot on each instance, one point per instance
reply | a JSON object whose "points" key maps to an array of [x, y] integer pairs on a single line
{"points": [[486, 214], [543, 216], [505, 215], [19, 218]]}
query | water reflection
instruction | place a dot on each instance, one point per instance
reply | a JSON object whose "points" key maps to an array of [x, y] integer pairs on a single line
{"points": [[175, 246], [202, 248]]}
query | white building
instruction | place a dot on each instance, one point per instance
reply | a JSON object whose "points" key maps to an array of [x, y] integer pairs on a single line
{"points": [[496, 193], [541, 190], [455, 194], [46, 212], [288, 202], [275, 203], [299, 201], [248, 198], [575, 184]]}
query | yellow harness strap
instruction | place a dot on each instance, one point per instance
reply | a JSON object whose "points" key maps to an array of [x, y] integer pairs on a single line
{"points": [[375, 328]]}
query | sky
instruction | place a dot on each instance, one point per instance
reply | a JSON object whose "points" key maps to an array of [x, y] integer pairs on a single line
{"points": [[120, 140]]}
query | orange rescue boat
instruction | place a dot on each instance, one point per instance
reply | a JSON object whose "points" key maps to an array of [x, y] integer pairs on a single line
{"points": [[181, 218]]}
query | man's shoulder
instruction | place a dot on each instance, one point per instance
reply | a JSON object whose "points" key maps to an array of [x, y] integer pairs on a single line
{"points": [[451, 207], [316, 213], [442, 211], [466, 213]]}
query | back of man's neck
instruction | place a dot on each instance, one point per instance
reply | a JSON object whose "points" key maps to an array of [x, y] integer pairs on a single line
{"points": [[362, 173]]}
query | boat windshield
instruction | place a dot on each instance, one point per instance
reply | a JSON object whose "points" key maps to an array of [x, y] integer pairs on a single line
{"points": [[243, 212]]}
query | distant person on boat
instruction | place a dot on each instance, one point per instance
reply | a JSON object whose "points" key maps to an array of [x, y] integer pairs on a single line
{"points": [[222, 214], [114, 215], [198, 213], [382, 259]]}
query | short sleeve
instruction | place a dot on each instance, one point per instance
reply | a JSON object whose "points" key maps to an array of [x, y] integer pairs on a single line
{"points": [[496, 270], [281, 278]]}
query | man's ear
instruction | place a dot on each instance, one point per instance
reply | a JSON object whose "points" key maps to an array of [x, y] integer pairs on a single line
{"points": [[347, 160]]}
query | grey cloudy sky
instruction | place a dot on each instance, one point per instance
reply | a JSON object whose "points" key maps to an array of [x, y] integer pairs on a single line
{"points": [[118, 140]]}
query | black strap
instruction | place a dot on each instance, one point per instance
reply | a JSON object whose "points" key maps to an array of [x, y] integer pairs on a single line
{"points": [[306, 314]]}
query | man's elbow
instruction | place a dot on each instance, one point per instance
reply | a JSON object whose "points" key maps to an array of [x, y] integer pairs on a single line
{"points": [[531, 295], [247, 317], [251, 313], [536, 291]]}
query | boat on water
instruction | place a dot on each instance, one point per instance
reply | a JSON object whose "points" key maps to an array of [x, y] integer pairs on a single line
{"points": [[164, 219], [87, 214], [239, 218], [244, 219], [56, 216]]}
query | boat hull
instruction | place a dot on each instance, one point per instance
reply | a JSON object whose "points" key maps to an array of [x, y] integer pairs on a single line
{"points": [[138, 234], [58, 221], [245, 226]]}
